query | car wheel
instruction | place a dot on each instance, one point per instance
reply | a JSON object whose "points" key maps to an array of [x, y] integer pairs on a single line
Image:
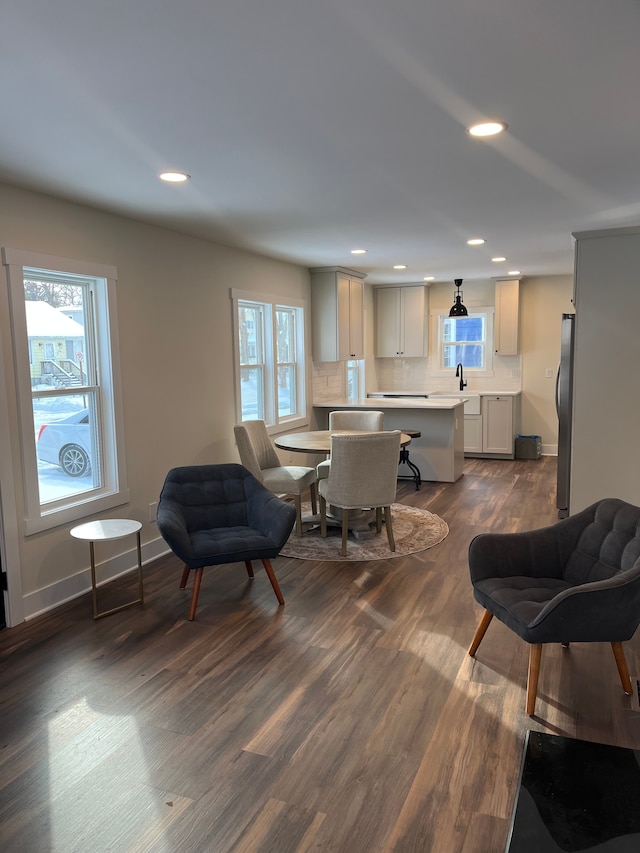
{"points": [[74, 461]]}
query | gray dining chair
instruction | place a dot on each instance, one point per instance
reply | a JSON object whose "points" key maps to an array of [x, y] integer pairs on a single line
{"points": [[362, 475], [371, 420], [259, 456]]}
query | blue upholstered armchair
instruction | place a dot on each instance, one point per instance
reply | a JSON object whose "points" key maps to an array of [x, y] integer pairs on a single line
{"points": [[577, 581], [215, 514]]}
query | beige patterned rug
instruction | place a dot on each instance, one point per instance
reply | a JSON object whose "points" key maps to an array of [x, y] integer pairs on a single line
{"points": [[413, 530]]}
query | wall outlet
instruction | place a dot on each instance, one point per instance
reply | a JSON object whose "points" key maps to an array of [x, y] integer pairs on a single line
{"points": [[515, 373], [548, 373], [153, 507]]}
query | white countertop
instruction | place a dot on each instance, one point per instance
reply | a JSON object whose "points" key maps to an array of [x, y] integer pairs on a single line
{"points": [[492, 392], [439, 403]]}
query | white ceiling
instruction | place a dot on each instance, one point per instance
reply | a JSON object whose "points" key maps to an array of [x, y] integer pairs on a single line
{"points": [[311, 127]]}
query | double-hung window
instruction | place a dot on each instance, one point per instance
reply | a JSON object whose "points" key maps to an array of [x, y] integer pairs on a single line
{"points": [[464, 340], [269, 358], [67, 387]]}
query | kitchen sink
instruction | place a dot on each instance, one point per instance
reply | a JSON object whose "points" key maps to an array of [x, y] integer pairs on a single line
{"points": [[472, 405]]}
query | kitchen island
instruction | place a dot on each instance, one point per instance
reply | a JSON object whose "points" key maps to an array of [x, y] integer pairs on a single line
{"points": [[439, 452]]}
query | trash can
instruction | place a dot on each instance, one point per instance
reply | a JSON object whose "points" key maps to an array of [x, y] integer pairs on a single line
{"points": [[528, 447]]}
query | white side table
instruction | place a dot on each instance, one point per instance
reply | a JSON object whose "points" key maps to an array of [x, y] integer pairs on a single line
{"points": [[102, 531]]}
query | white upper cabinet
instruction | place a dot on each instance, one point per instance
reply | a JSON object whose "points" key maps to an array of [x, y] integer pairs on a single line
{"points": [[401, 328], [337, 314], [505, 329]]}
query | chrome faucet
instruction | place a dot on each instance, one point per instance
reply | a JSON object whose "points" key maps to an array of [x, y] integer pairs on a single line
{"points": [[459, 373]]}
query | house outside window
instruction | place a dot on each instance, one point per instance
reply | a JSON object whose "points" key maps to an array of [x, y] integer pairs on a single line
{"points": [[466, 340], [269, 358], [65, 353]]}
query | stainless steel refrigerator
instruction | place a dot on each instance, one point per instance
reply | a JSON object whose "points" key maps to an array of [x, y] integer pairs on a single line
{"points": [[564, 402]]}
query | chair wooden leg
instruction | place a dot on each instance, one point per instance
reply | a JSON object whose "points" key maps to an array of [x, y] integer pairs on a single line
{"points": [[185, 577], [197, 580], [297, 499], [272, 577], [480, 632], [378, 519], [313, 494], [389, 525], [623, 670], [249, 568], [535, 654], [345, 531], [323, 517]]}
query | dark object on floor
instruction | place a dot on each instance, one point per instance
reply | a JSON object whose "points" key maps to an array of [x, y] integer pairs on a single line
{"points": [[576, 796], [215, 514], [404, 459], [528, 447], [577, 581]]}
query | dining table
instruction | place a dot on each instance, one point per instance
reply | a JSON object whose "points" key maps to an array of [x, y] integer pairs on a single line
{"points": [[319, 441]]}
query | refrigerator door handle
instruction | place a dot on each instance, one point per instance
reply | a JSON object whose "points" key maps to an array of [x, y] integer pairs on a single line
{"points": [[558, 392]]}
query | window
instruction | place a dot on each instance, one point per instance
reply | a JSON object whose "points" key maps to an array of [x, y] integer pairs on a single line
{"points": [[354, 378], [464, 340], [270, 363], [63, 321]]}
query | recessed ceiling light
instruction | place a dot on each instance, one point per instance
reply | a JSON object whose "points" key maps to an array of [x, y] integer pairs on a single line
{"points": [[475, 241], [498, 260], [174, 177], [358, 251], [429, 278], [399, 266], [486, 128], [513, 272]]}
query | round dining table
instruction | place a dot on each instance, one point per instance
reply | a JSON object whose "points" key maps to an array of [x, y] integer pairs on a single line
{"points": [[319, 440]]}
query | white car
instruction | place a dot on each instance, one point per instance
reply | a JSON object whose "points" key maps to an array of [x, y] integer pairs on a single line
{"points": [[67, 443]]}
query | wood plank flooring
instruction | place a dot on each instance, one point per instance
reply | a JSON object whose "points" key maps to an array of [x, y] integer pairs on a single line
{"points": [[351, 719]]}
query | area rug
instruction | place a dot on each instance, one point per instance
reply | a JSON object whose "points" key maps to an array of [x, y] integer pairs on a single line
{"points": [[413, 530]]}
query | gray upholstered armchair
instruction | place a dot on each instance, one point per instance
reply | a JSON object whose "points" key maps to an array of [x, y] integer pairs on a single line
{"points": [[575, 581], [215, 514]]}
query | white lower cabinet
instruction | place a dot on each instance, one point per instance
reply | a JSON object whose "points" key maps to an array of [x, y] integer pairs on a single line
{"points": [[492, 432]]}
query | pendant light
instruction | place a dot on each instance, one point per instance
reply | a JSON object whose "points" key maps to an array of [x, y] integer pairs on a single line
{"points": [[458, 309]]}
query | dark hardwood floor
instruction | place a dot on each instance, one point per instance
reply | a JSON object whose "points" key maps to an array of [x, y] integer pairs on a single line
{"points": [[351, 719]]}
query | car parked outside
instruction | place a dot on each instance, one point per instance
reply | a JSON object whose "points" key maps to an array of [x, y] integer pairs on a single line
{"points": [[67, 443]]}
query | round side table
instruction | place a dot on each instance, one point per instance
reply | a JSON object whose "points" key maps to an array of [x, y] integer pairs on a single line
{"points": [[103, 531]]}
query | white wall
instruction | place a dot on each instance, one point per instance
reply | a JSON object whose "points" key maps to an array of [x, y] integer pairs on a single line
{"points": [[175, 330]]}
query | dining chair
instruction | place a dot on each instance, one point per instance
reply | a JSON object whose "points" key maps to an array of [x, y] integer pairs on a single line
{"points": [[370, 419], [362, 475], [576, 581], [216, 514], [259, 456]]}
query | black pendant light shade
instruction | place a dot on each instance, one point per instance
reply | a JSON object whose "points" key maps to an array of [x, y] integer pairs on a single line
{"points": [[458, 309]]}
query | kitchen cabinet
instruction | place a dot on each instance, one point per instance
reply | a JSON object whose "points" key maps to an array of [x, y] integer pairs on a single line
{"points": [[401, 328], [493, 431], [337, 314], [497, 425], [506, 319]]}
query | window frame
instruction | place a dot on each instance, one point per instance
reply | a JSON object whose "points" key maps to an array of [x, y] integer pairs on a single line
{"points": [[113, 490], [437, 318], [270, 305]]}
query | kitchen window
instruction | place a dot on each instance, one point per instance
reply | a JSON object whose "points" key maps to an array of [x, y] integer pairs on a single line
{"points": [[465, 340], [269, 359], [63, 318]]}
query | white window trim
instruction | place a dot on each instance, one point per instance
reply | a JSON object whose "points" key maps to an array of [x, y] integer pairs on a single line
{"points": [[288, 423], [488, 370], [114, 491]]}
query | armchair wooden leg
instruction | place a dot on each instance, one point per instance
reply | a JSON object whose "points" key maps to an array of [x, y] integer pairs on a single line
{"points": [[249, 568], [345, 531], [272, 577], [185, 577], [323, 517], [535, 654], [197, 580], [480, 632], [623, 670], [378, 519], [313, 494]]}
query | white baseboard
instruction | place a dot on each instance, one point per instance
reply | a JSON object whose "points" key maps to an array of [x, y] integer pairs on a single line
{"points": [[69, 588]]}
